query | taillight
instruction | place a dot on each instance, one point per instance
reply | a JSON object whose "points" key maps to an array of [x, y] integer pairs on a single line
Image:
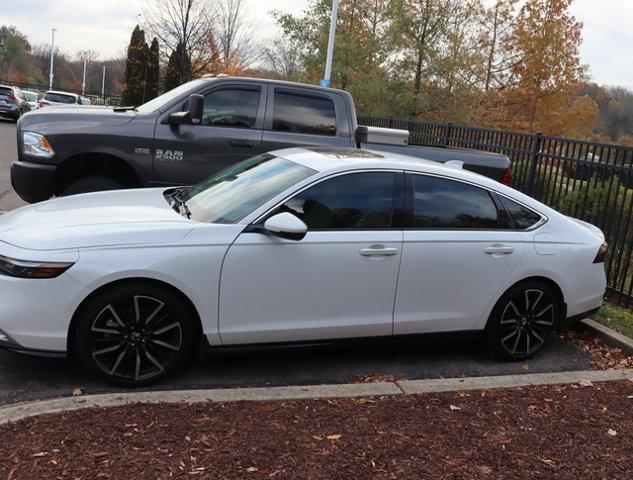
{"points": [[602, 252], [42, 104], [507, 177], [11, 96]]}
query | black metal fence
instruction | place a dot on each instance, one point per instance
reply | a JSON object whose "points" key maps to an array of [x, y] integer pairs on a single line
{"points": [[95, 98], [586, 180]]}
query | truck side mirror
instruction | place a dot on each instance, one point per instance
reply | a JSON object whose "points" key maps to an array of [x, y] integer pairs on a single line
{"points": [[192, 115], [196, 107]]}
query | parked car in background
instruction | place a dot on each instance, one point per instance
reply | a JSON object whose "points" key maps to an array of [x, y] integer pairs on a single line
{"points": [[31, 98], [297, 245], [54, 98], [12, 103], [196, 130]]}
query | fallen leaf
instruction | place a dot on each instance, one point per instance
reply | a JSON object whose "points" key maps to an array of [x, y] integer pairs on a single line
{"points": [[99, 454], [316, 437], [586, 383], [454, 408], [40, 454], [77, 392], [334, 437], [525, 367], [252, 469], [612, 432]]}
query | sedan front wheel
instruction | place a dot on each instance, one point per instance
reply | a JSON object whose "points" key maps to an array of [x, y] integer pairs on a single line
{"points": [[134, 334], [523, 321]]}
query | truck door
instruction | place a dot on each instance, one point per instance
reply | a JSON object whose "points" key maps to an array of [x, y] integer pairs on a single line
{"points": [[297, 117], [231, 130]]}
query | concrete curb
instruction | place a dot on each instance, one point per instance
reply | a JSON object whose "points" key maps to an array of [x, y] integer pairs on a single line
{"points": [[20, 411], [610, 337]]}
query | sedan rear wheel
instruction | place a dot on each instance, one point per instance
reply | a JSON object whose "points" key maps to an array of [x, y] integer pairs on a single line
{"points": [[523, 321], [134, 334]]}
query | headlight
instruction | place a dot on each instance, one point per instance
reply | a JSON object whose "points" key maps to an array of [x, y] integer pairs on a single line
{"points": [[28, 269], [36, 145]]}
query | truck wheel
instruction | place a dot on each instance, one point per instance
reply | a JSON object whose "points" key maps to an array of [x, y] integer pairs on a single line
{"points": [[91, 184]]}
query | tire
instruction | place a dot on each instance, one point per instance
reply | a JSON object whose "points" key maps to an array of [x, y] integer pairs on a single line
{"points": [[91, 184], [522, 321], [134, 334]]}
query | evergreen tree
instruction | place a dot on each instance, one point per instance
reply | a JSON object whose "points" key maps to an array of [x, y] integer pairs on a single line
{"points": [[178, 68], [153, 69], [135, 69]]}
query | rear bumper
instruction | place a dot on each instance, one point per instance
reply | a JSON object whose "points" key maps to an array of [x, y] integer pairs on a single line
{"points": [[569, 321], [10, 112], [33, 182]]}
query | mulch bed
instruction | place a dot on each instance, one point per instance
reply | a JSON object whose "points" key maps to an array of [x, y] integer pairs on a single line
{"points": [[602, 356], [550, 432]]}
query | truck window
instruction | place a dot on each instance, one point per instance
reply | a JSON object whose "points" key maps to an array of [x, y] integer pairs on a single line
{"points": [[231, 107], [304, 114]]}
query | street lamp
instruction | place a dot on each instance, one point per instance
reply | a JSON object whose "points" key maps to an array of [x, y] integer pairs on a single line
{"points": [[330, 45], [50, 75]]}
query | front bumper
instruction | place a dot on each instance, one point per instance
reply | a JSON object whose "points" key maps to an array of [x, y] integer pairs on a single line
{"points": [[33, 182]]}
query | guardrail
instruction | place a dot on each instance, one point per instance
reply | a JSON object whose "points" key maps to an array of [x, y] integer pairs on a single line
{"points": [[586, 180]]}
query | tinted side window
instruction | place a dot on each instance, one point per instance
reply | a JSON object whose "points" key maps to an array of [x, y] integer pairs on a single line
{"points": [[235, 108], [361, 201], [439, 203], [523, 218], [304, 114]]}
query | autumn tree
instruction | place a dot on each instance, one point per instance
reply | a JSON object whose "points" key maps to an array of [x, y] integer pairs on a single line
{"points": [[135, 69], [234, 34], [548, 70]]}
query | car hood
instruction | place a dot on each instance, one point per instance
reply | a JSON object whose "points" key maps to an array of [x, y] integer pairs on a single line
{"points": [[84, 115], [122, 217]]}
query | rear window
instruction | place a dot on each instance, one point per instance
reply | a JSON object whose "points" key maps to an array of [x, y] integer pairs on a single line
{"points": [[60, 98], [30, 96], [6, 91], [313, 115]]}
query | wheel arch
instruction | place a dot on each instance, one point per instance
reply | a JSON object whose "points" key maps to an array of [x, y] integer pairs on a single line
{"points": [[553, 285], [95, 163], [70, 348]]}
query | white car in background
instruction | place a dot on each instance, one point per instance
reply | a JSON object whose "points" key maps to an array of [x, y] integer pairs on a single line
{"points": [[53, 98], [291, 246], [31, 98]]}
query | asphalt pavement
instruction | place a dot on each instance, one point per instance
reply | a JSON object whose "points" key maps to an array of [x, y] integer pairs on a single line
{"points": [[24, 378]]}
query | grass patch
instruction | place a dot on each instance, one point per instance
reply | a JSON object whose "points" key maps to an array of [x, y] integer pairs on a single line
{"points": [[617, 318]]}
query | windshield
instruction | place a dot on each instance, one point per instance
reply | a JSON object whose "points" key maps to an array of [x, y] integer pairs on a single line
{"points": [[60, 98], [237, 191], [167, 97]]}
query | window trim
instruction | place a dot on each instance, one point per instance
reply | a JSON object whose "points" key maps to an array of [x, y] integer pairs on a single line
{"points": [[301, 93], [409, 212], [398, 197]]}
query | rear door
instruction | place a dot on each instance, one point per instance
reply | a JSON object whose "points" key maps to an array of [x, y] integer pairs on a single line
{"points": [[296, 117], [459, 250], [231, 131]]}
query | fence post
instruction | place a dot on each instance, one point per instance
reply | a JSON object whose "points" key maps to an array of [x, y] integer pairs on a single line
{"points": [[390, 122], [536, 150], [448, 135]]}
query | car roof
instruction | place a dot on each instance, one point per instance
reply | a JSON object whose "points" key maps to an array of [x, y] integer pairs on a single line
{"points": [[325, 159], [57, 92], [212, 78]]}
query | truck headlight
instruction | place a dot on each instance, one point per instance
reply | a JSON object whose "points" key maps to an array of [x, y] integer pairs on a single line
{"points": [[27, 269], [36, 145]]}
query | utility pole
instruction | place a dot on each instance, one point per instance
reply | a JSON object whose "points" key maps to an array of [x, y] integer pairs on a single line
{"points": [[51, 75], [83, 82], [103, 85], [330, 45]]}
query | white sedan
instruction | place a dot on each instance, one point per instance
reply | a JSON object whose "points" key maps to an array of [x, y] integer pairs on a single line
{"points": [[291, 246]]}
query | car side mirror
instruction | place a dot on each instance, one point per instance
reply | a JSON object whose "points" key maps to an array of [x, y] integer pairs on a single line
{"points": [[192, 115], [286, 225]]}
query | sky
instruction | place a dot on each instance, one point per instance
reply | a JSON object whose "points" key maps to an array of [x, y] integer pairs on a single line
{"points": [[105, 26]]}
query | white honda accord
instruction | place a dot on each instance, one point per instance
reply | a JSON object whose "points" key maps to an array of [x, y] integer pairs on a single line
{"points": [[291, 246]]}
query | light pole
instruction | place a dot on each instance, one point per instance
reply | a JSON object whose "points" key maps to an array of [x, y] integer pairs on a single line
{"points": [[83, 82], [50, 75], [103, 85], [330, 45]]}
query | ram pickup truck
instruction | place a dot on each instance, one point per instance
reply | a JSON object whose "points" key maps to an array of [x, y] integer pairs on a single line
{"points": [[195, 130]]}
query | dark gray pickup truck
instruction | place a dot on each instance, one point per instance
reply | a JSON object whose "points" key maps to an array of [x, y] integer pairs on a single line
{"points": [[195, 130]]}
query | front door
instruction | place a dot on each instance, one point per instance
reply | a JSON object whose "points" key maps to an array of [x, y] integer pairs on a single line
{"points": [[457, 255], [231, 130], [338, 281]]}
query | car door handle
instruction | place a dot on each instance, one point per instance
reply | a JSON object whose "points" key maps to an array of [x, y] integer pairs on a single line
{"points": [[242, 143], [378, 251], [498, 250]]}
